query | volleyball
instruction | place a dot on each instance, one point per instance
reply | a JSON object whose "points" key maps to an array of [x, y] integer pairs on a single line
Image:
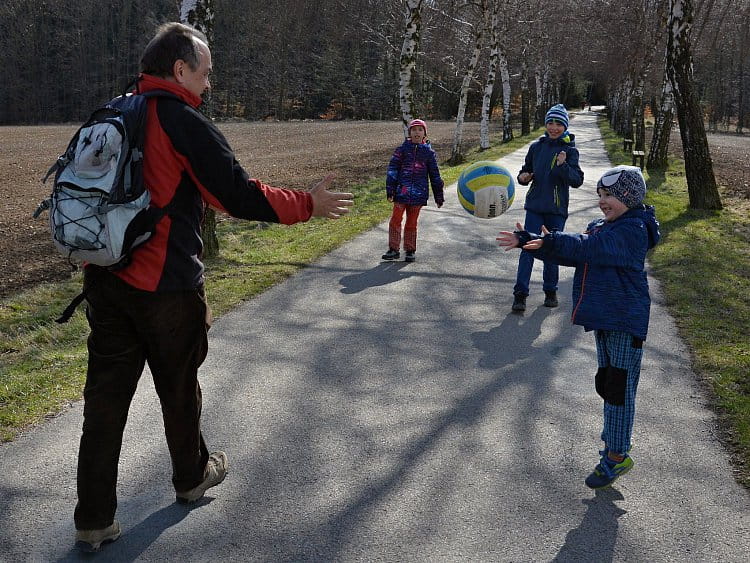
{"points": [[486, 189]]}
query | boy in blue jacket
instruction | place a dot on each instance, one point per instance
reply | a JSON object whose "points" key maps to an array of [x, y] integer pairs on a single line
{"points": [[410, 167], [551, 166], [610, 297]]}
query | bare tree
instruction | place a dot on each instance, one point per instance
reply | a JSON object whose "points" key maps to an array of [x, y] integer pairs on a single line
{"points": [[408, 61], [658, 154], [702, 190], [505, 81], [489, 85], [200, 15], [479, 31]]}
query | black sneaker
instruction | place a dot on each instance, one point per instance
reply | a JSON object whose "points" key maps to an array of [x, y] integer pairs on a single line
{"points": [[409, 257], [519, 303], [550, 299], [391, 255]]}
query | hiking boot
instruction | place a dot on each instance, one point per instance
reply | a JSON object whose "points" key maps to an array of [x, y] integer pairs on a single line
{"points": [[550, 299], [519, 303], [391, 255], [90, 541], [216, 470], [608, 470], [409, 256]]}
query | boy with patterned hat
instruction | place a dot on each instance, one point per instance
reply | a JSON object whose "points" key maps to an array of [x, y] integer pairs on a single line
{"points": [[551, 166], [610, 297], [412, 165]]}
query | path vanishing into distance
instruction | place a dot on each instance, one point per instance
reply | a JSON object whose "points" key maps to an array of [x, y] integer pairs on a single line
{"points": [[399, 412]]}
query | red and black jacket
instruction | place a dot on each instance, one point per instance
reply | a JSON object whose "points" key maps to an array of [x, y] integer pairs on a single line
{"points": [[188, 164]]}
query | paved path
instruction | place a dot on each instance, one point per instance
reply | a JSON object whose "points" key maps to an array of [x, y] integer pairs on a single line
{"points": [[391, 412]]}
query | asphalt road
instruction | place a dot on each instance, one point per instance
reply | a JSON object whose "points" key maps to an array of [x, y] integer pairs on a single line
{"points": [[391, 412]]}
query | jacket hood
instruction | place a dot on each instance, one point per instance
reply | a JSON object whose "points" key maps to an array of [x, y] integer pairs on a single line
{"points": [[566, 138], [647, 214], [425, 143]]}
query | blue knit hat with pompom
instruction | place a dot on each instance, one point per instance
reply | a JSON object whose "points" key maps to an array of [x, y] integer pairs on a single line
{"points": [[558, 113]]}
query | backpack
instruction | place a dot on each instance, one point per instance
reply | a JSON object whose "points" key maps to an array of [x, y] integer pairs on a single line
{"points": [[100, 209]]}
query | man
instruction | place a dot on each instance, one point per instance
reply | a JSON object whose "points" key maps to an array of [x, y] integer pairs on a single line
{"points": [[154, 310]]}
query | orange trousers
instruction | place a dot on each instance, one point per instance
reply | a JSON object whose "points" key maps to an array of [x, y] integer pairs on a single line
{"points": [[410, 229]]}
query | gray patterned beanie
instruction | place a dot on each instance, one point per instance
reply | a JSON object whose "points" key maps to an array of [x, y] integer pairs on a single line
{"points": [[626, 183]]}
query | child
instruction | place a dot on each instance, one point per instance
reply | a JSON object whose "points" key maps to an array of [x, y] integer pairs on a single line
{"points": [[410, 167], [552, 168], [610, 296]]}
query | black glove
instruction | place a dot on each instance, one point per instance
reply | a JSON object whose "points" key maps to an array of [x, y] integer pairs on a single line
{"points": [[525, 237]]}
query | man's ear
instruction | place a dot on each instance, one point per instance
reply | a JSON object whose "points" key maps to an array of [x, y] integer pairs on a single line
{"points": [[177, 70]]}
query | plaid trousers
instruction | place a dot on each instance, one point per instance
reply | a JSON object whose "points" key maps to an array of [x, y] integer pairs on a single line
{"points": [[619, 350]]}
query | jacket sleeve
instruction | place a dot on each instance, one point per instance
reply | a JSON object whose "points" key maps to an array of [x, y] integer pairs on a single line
{"points": [[222, 182], [392, 174], [621, 247], [433, 170], [569, 171], [528, 165]]}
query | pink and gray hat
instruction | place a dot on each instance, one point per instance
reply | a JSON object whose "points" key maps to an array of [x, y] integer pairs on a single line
{"points": [[416, 123]]}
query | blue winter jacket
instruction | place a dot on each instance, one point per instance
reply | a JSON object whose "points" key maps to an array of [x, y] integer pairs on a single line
{"points": [[549, 191], [610, 289], [408, 171]]}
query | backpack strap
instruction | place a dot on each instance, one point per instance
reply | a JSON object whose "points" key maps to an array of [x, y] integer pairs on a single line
{"points": [[71, 308]]}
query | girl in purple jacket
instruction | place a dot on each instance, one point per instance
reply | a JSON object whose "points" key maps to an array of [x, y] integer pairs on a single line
{"points": [[411, 166]]}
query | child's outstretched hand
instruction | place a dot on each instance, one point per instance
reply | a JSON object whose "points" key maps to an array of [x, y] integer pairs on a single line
{"points": [[510, 240], [331, 205]]}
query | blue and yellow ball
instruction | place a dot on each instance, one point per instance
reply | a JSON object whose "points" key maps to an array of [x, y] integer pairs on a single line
{"points": [[486, 189]]}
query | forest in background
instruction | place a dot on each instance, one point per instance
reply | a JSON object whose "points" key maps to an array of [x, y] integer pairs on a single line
{"points": [[336, 59]]}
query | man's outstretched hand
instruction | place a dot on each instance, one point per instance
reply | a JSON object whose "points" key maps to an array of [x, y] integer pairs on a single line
{"points": [[331, 205]]}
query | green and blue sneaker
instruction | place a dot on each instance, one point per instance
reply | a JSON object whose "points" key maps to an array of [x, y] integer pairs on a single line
{"points": [[608, 470]]}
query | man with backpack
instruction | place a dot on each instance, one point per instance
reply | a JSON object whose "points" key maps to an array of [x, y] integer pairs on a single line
{"points": [[154, 309]]}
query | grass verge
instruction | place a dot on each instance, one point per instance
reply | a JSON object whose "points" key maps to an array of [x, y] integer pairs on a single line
{"points": [[43, 364], [703, 264]]}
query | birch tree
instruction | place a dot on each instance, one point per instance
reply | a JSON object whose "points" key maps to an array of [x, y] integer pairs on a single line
{"points": [[484, 124], [502, 61], [702, 190], [408, 61], [659, 152], [200, 15], [479, 29]]}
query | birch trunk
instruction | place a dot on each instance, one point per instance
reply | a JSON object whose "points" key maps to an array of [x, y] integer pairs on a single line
{"points": [[505, 78], [702, 190], [538, 77], [200, 15], [409, 58], [457, 155], [525, 123], [658, 154], [638, 110], [484, 125]]}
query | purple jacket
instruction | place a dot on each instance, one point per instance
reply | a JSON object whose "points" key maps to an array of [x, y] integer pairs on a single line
{"points": [[408, 172]]}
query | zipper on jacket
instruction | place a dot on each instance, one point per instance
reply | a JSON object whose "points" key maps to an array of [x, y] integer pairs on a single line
{"points": [[580, 297]]}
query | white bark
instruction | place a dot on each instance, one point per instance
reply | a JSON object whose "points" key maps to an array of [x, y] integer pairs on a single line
{"points": [[457, 151], [199, 14], [408, 57], [484, 125], [538, 99], [505, 77], [186, 6]]}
